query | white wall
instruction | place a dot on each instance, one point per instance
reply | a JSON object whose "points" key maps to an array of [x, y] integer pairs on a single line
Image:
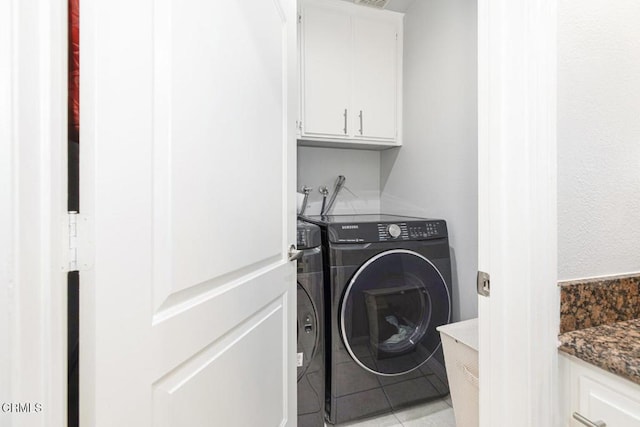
{"points": [[361, 168], [598, 138], [435, 173]]}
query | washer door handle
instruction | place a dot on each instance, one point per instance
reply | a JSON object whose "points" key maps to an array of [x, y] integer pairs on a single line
{"points": [[294, 254], [308, 324]]}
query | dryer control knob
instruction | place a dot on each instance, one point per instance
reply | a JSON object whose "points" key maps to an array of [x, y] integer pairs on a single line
{"points": [[394, 230]]}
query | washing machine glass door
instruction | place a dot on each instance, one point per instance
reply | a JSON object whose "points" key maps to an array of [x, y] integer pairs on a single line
{"points": [[307, 331], [390, 311]]}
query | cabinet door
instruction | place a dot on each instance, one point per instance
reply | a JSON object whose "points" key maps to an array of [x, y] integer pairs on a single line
{"points": [[375, 79], [596, 395], [599, 402], [325, 68]]}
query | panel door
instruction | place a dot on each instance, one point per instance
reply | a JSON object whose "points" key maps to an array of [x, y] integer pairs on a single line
{"points": [[187, 182], [325, 69], [375, 79]]}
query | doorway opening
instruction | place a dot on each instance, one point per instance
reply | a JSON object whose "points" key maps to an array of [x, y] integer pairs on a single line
{"points": [[73, 205]]}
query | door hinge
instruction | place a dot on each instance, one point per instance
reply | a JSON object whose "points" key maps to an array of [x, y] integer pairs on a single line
{"points": [[76, 243], [484, 284], [72, 247], [299, 19]]}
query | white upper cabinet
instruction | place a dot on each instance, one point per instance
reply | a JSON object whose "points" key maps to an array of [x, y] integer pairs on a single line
{"points": [[351, 75], [375, 71], [326, 81]]}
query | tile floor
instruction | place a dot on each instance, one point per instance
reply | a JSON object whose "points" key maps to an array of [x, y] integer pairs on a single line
{"points": [[437, 413]]}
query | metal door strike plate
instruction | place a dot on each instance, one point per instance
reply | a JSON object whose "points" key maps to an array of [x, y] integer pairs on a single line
{"points": [[484, 284]]}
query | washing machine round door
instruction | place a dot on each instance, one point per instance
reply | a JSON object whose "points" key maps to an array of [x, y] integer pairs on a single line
{"points": [[307, 331], [390, 310]]}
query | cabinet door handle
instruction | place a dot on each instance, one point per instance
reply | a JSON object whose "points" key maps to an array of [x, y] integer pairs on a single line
{"points": [[360, 122], [586, 421], [345, 121]]}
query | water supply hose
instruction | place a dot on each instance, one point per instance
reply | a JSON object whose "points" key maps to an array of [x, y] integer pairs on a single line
{"points": [[339, 184]]}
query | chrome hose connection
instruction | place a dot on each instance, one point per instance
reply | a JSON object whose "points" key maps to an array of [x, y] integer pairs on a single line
{"points": [[336, 189], [305, 190], [325, 192]]}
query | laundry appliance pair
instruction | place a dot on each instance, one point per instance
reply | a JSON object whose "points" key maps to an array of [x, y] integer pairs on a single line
{"points": [[387, 286]]}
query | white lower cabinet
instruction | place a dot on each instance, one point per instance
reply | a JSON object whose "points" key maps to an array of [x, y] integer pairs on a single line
{"points": [[594, 397]]}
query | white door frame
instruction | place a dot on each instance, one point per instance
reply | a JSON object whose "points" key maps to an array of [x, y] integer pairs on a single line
{"points": [[517, 212], [33, 147]]}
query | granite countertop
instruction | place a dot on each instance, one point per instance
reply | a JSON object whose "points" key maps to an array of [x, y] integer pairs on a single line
{"points": [[602, 301], [614, 347]]}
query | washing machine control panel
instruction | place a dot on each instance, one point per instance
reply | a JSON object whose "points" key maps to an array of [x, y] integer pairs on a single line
{"points": [[387, 232], [411, 231], [302, 238], [394, 230], [308, 236], [427, 230]]}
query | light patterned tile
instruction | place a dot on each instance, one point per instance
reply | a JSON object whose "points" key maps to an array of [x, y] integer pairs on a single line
{"points": [[437, 413], [443, 418], [448, 400], [422, 411], [382, 421]]}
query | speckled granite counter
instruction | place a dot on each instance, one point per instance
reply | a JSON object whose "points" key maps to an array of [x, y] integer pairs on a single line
{"points": [[615, 347], [601, 301], [600, 323]]}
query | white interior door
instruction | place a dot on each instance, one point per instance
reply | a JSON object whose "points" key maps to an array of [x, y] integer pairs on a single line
{"points": [[517, 213], [187, 183]]}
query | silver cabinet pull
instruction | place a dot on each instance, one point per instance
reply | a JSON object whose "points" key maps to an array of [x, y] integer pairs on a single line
{"points": [[345, 121], [360, 122], [587, 421]]}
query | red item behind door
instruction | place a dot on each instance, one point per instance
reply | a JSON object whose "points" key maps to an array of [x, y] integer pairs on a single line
{"points": [[74, 69]]}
